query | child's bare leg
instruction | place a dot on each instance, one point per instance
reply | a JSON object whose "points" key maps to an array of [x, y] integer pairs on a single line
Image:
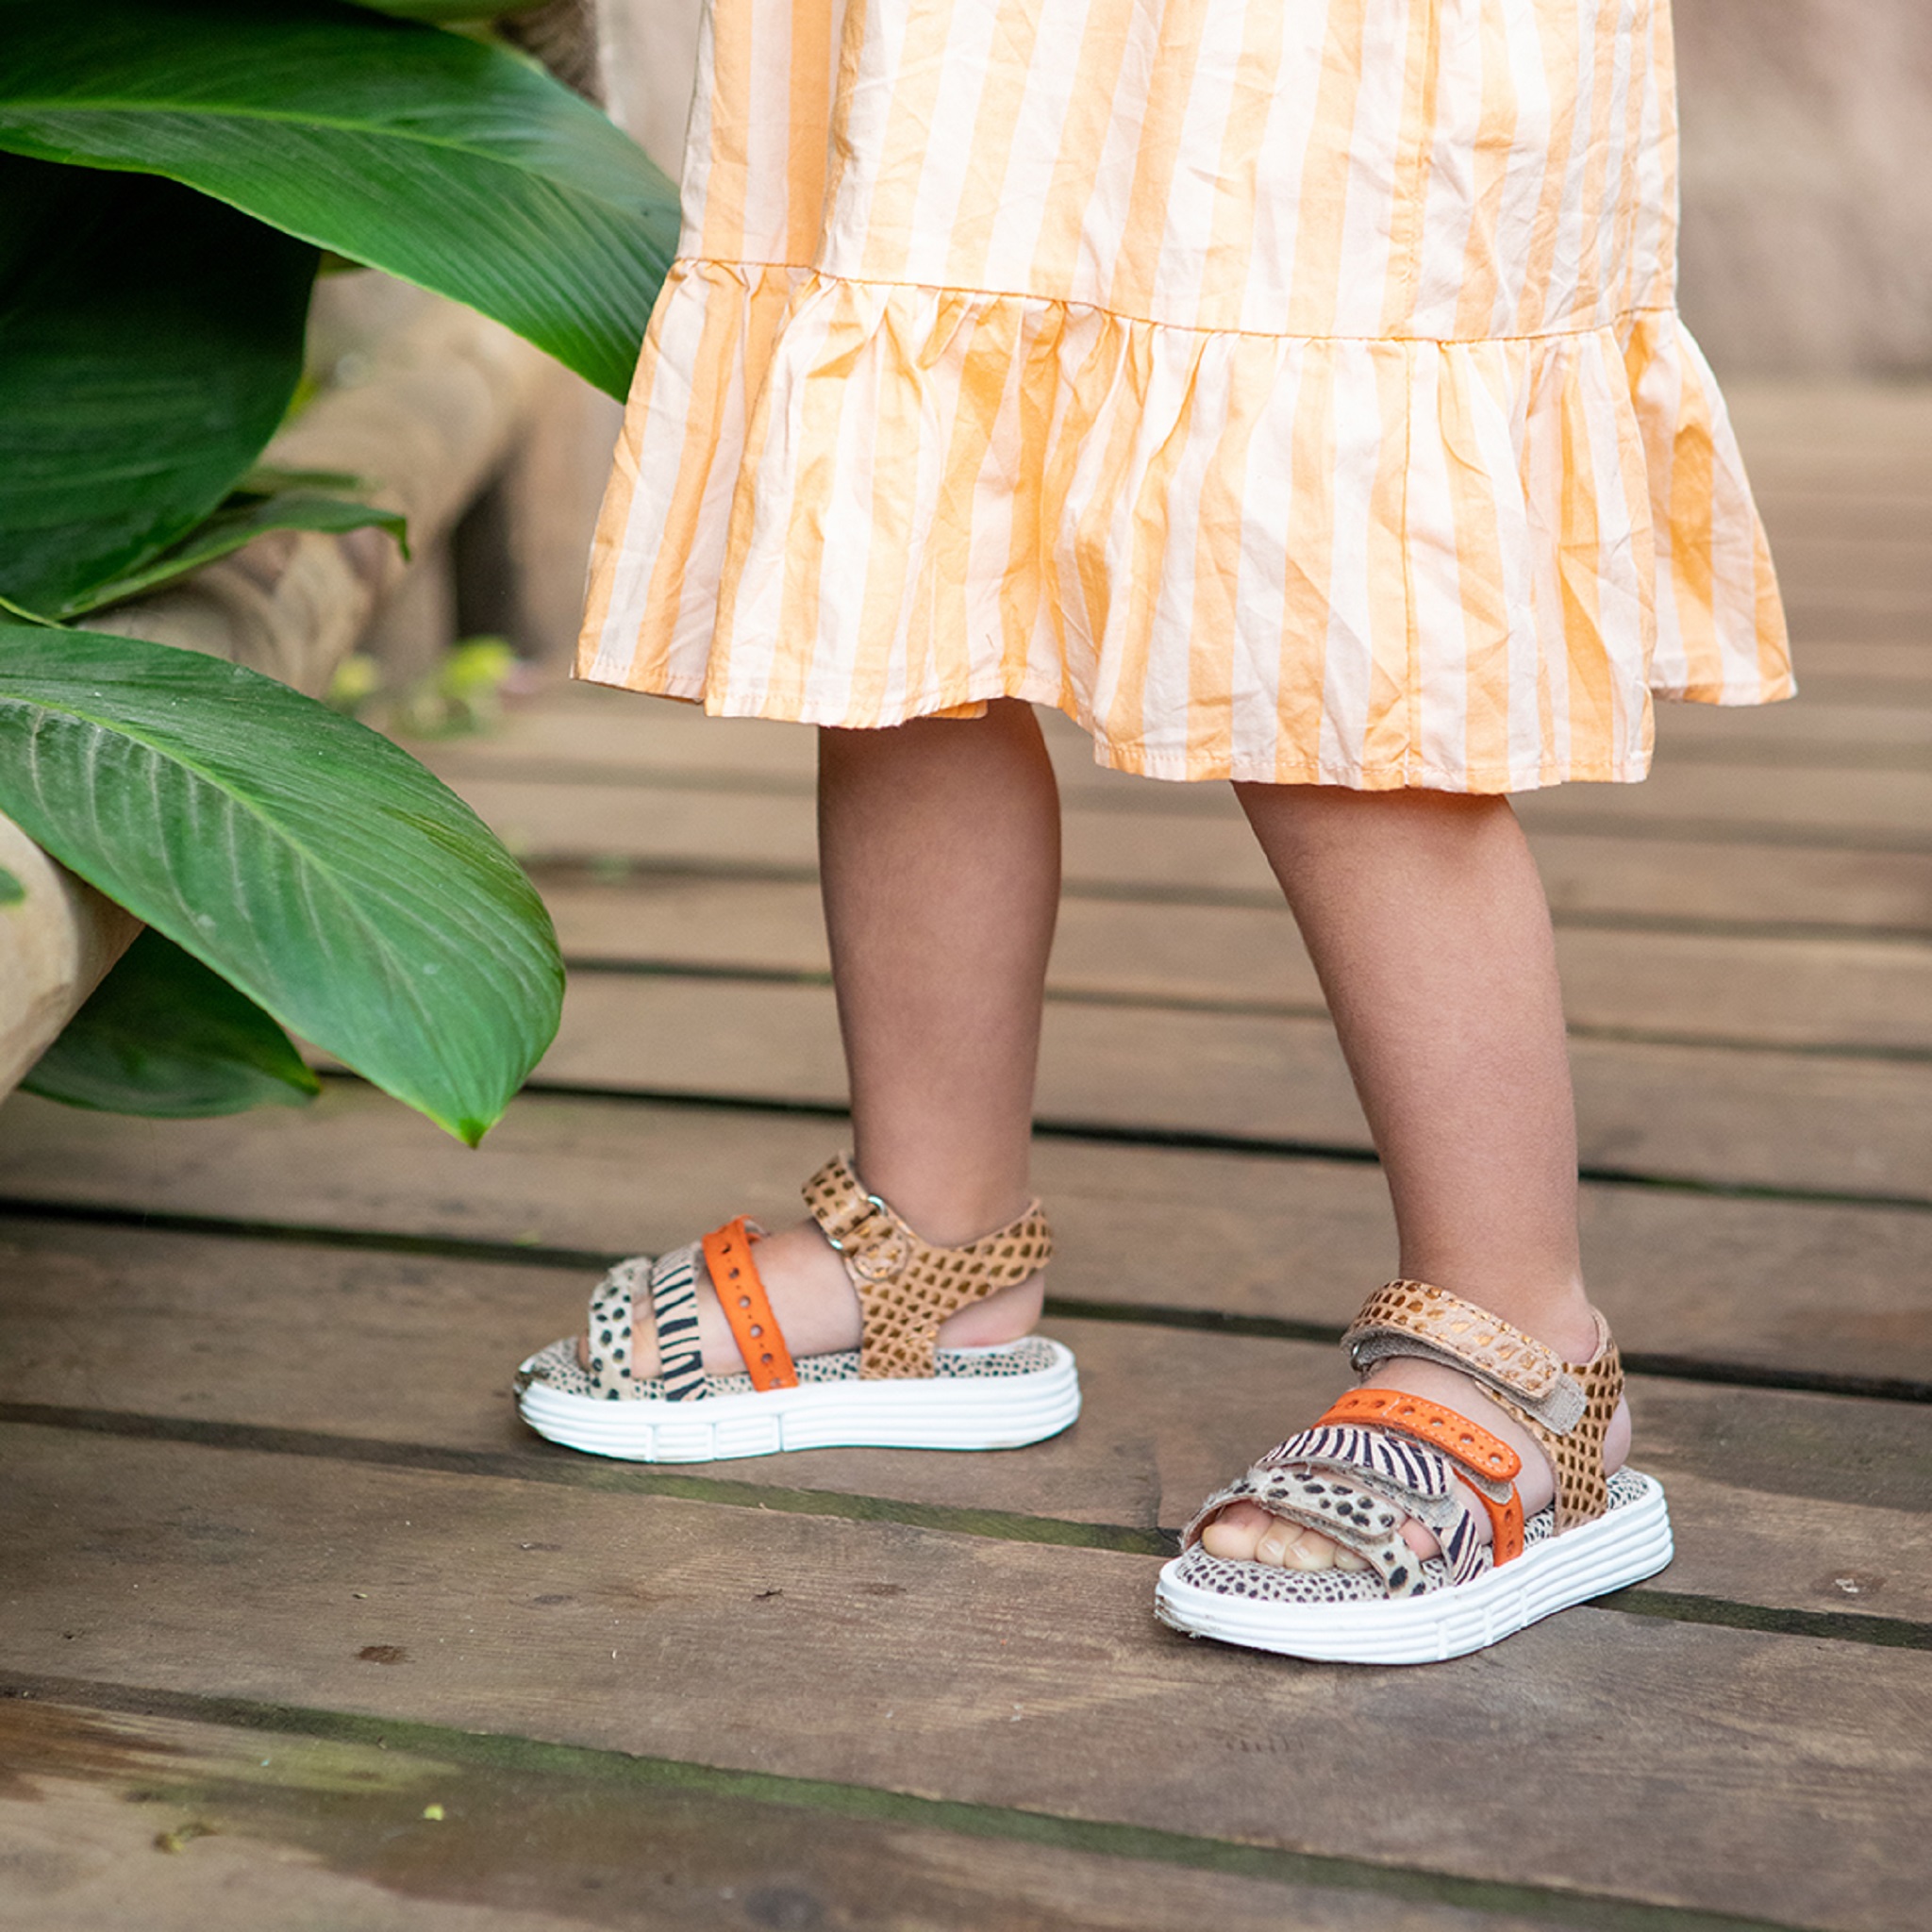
{"points": [[1427, 925], [940, 852]]}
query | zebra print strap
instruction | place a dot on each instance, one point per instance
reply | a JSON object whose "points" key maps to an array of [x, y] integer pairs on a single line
{"points": [[1415, 1472], [675, 1311]]}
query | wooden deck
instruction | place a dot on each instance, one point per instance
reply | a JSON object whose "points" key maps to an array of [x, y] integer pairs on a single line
{"points": [[299, 1628]]}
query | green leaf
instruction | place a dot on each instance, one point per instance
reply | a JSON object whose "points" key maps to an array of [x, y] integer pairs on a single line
{"points": [[240, 521], [12, 892], [308, 861], [444, 160], [163, 1035], [150, 339], [266, 479], [449, 9]]}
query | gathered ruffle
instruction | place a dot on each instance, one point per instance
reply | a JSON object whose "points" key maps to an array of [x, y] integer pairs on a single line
{"points": [[1376, 562]]}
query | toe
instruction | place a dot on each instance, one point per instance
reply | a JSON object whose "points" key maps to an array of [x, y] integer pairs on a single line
{"points": [[1235, 1532], [1275, 1541], [1246, 1533]]}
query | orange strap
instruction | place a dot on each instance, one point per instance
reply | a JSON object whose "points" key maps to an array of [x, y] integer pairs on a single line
{"points": [[1459, 1438], [747, 1307]]}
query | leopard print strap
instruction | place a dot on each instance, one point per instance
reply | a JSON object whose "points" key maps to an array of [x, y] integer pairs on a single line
{"points": [[905, 1286], [1357, 1486], [1351, 1514], [1566, 1405]]}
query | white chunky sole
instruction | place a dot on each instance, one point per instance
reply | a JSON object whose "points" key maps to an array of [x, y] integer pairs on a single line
{"points": [[993, 1411], [1622, 1547]]}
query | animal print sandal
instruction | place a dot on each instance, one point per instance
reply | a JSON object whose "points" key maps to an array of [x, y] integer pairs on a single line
{"points": [[898, 1390], [1379, 1457]]}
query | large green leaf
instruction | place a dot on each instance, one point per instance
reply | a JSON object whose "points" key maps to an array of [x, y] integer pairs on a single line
{"points": [[311, 863], [442, 159], [240, 519], [165, 1037], [150, 339]]}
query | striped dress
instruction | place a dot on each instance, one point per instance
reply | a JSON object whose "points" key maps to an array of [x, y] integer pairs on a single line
{"points": [[1287, 389]]}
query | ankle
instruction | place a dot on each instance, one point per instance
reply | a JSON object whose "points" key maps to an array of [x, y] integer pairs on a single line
{"points": [[949, 1203]]}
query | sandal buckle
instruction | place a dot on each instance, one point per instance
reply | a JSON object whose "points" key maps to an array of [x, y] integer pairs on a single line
{"points": [[876, 1247]]}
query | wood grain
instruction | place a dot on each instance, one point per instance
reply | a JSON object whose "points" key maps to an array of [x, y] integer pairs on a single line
{"points": [[1761, 1775], [1883, 809], [1775, 990], [1777, 1496], [1781, 1285], [1683, 1112], [1711, 872], [283, 1827]]}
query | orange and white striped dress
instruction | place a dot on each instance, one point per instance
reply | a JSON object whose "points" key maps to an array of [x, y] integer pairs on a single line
{"points": [[1287, 389]]}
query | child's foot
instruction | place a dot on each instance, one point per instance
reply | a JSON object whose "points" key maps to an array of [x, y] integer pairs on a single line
{"points": [[1245, 1532], [1470, 1485], [849, 1330], [817, 1309]]}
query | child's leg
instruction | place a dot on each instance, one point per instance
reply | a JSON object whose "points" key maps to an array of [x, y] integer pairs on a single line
{"points": [[939, 850], [1426, 922]]}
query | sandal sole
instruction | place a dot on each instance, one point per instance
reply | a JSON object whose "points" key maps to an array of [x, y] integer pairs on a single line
{"points": [[1618, 1549], [951, 1412]]}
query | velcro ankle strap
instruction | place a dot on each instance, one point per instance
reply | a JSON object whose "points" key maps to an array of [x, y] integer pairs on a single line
{"points": [[1411, 1318], [907, 1286], [1566, 1405]]}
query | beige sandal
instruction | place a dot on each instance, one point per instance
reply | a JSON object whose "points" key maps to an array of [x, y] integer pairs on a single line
{"points": [[898, 1390], [1380, 1456]]}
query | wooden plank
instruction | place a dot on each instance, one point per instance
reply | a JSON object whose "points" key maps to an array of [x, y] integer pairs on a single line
{"points": [[1591, 876], [416, 1352], [1893, 808], [1121, 834], [1886, 808], [326, 1827], [1587, 874], [1786, 418], [617, 736], [1759, 1775], [1868, 567], [613, 736], [1787, 990], [1778, 1284], [1781, 992], [1714, 1115], [1793, 511], [1807, 730], [1877, 619]]}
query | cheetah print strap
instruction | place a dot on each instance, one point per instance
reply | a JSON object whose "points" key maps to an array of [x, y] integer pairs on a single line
{"points": [[905, 1286], [1357, 1518], [1566, 1405]]}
